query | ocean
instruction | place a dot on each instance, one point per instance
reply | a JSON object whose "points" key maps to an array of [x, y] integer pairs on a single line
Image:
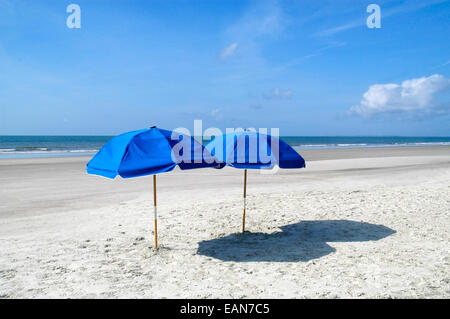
{"points": [[57, 146]]}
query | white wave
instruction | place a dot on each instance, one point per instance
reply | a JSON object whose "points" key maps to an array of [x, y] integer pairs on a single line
{"points": [[358, 144], [44, 151], [367, 145], [83, 151], [313, 145]]}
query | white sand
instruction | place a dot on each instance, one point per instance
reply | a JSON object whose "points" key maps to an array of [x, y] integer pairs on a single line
{"points": [[359, 227]]}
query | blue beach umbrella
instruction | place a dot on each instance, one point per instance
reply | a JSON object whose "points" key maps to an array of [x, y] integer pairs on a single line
{"points": [[253, 150], [149, 152]]}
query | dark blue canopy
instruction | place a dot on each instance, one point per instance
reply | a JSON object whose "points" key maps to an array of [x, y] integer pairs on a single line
{"points": [[253, 150], [148, 152]]}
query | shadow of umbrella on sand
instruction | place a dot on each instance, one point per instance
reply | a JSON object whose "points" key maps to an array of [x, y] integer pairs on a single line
{"points": [[253, 150], [149, 152], [302, 241]]}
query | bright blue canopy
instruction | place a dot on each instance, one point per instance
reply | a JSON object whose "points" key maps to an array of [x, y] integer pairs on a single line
{"points": [[148, 152], [253, 150]]}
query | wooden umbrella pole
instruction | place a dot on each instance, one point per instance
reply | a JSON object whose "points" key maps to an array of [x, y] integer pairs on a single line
{"points": [[245, 195], [156, 216]]}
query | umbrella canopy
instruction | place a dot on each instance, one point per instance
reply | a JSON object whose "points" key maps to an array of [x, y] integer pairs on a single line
{"points": [[253, 150], [149, 152]]}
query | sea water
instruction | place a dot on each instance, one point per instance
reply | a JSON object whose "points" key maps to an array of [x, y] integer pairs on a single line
{"points": [[56, 146]]}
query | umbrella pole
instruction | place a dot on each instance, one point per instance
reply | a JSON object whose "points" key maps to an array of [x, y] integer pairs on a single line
{"points": [[245, 195], [156, 216]]}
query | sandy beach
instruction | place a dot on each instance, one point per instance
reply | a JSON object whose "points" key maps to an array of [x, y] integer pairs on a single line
{"points": [[355, 223]]}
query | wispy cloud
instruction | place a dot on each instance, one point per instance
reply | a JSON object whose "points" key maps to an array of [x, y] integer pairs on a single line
{"points": [[216, 114], [331, 31], [228, 51], [442, 65], [315, 53], [262, 21], [277, 93], [404, 8], [245, 39], [409, 96]]}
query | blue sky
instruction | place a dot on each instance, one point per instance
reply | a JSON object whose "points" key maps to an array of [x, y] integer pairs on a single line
{"points": [[306, 67]]}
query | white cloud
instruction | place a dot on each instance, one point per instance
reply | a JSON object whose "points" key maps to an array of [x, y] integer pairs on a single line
{"points": [[411, 95], [278, 93], [228, 51]]}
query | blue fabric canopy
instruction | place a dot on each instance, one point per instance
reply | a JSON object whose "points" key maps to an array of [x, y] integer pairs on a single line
{"points": [[148, 152], [253, 150]]}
